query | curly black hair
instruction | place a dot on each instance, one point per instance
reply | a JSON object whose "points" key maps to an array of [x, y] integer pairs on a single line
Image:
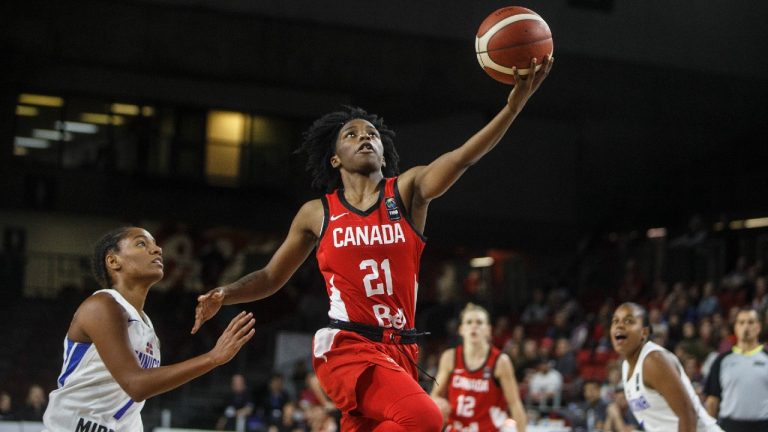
{"points": [[109, 242], [319, 144]]}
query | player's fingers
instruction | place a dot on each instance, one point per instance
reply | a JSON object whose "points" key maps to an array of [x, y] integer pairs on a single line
{"points": [[196, 326], [532, 73], [235, 323], [245, 329], [548, 60], [243, 320], [243, 340], [198, 319]]}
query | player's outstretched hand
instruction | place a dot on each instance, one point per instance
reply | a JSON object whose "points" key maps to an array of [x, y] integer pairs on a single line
{"points": [[239, 331], [208, 305], [525, 87]]}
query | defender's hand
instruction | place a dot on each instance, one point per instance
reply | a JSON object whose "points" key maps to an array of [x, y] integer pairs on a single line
{"points": [[239, 331]]}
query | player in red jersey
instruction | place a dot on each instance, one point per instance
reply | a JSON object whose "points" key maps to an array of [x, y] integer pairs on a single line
{"points": [[478, 380], [368, 233]]}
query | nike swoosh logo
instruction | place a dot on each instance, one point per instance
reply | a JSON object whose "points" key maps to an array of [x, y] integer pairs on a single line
{"points": [[334, 217]]}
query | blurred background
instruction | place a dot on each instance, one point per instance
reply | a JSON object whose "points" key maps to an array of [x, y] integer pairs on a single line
{"points": [[637, 171]]}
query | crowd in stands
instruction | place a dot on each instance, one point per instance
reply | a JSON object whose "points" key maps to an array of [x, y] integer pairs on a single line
{"points": [[31, 409], [557, 337]]}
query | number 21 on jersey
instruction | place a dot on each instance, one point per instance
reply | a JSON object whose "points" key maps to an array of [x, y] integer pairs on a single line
{"points": [[376, 284]]}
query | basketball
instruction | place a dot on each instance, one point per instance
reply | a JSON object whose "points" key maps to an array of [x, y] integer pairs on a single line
{"points": [[511, 37]]}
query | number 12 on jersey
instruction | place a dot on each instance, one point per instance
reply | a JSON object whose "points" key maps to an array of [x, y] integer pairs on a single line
{"points": [[465, 406]]}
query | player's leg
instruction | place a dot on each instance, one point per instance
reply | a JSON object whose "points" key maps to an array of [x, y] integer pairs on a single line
{"points": [[397, 402]]}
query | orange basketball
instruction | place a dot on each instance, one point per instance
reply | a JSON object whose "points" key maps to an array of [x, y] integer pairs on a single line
{"points": [[512, 36]]}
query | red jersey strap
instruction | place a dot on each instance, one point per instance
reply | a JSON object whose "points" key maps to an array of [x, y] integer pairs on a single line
{"points": [[458, 363], [392, 198]]}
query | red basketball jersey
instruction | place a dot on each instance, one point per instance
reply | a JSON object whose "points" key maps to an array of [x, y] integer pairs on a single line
{"points": [[476, 398], [370, 260]]}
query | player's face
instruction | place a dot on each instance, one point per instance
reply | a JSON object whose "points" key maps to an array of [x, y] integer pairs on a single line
{"points": [[358, 147], [747, 326], [627, 331], [474, 326], [139, 256]]}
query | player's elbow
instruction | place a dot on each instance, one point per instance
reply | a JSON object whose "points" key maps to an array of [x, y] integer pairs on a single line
{"points": [[135, 390]]}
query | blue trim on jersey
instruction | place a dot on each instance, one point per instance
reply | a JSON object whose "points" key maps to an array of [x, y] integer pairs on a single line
{"points": [[75, 353], [122, 410]]}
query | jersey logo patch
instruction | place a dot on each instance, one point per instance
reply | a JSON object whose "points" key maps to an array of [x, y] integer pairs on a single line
{"points": [[338, 216], [392, 210], [639, 404]]}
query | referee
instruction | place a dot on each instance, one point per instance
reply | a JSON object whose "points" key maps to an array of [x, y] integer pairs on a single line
{"points": [[737, 385]]}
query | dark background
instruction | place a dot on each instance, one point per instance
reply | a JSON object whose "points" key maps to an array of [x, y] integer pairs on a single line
{"points": [[654, 110]]}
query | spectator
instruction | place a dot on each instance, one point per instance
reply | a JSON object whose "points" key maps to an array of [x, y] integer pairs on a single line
{"points": [[528, 359], [612, 381], [560, 326], [536, 312], [240, 405], [565, 359], [737, 277], [6, 407], [275, 398], [760, 298], [34, 405], [588, 415], [545, 387], [619, 417], [319, 420], [546, 346], [293, 419], [659, 326], [709, 303], [501, 332], [737, 386], [692, 344]]}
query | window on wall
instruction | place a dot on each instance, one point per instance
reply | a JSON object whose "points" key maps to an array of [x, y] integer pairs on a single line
{"points": [[244, 149], [83, 132], [225, 136], [220, 147]]}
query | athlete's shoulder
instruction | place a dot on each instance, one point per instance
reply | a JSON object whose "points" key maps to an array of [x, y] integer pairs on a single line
{"points": [[311, 214], [99, 302], [95, 310], [448, 358]]}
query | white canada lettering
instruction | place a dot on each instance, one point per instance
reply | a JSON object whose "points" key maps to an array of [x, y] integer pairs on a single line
{"points": [[471, 384], [368, 235]]}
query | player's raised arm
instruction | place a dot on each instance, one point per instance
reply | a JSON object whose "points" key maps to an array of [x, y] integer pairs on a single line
{"points": [[264, 282], [424, 183]]}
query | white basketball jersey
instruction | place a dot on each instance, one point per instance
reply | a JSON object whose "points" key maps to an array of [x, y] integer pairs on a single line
{"points": [[649, 406], [88, 397]]}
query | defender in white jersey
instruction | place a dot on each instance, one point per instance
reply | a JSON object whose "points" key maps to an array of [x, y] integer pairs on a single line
{"points": [[111, 353], [658, 391]]}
